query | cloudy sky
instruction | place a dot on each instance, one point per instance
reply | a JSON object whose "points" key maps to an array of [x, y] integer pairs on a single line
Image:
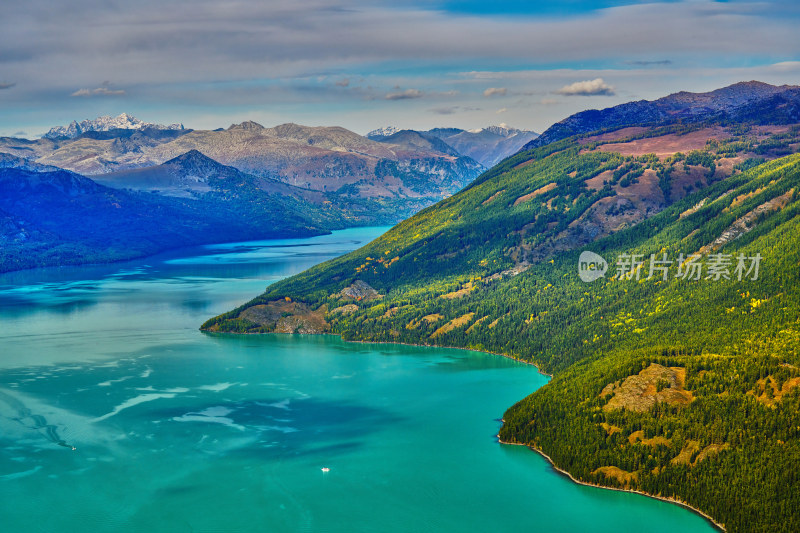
{"points": [[363, 64]]}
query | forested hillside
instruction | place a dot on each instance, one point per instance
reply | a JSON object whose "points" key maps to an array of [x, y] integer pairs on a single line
{"points": [[676, 373]]}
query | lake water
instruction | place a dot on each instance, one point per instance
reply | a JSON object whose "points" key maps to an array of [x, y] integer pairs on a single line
{"points": [[176, 430]]}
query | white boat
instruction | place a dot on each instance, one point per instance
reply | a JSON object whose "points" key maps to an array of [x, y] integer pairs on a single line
{"points": [[326, 469]]}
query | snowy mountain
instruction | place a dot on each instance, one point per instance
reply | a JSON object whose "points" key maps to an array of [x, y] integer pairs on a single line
{"points": [[105, 123], [382, 132], [503, 130]]}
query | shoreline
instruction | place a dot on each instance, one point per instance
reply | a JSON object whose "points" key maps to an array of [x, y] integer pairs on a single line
{"points": [[339, 335], [449, 348], [563, 472]]}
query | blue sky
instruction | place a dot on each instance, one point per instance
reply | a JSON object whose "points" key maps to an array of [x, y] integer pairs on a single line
{"points": [[365, 64], [552, 9]]}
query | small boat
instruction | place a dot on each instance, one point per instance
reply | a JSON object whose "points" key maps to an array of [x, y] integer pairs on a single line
{"points": [[326, 469]]}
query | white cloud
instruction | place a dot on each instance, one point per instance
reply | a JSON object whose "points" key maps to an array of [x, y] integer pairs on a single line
{"points": [[593, 87], [495, 91], [452, 110], [649, 63], [408, 94], [501, 110], [100, 91]]}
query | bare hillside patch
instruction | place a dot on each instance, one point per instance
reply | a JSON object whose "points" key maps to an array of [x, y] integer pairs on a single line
{"points": [[652, 385]]}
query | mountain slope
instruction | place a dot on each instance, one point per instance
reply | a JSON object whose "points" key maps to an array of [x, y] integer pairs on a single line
{"points": [[742, 102], [12, 161], [193, 174], [56, 217], [684, 388]]}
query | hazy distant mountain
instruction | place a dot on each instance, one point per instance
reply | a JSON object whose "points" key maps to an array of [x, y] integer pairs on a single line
{"points": [[743, 102], [418, 140], [105, 123], [488, 146]]}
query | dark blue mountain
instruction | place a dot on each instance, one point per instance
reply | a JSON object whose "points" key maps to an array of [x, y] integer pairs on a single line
{"points": [[740, 103], [55, 217]]}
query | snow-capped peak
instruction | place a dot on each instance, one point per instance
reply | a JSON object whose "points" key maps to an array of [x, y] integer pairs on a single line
{"points": [[503, 130], [123, 121], [383, 132]]}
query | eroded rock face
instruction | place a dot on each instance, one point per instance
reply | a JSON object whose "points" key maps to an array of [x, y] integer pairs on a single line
{"points": [[654, 384], [360, 291]]}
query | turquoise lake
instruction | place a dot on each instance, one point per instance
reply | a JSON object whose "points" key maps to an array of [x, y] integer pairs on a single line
{"points": [[175, 430]]}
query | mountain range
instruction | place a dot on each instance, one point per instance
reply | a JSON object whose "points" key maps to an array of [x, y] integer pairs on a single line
{"points": [[321, 158], [676, 372], [488, 145], [396, 179]]}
